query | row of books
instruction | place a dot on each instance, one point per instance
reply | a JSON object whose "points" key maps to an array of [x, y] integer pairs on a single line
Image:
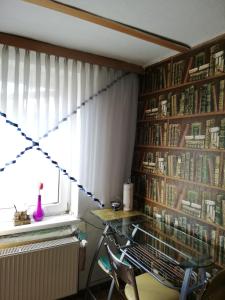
{"points": [[181, 224], [159, 134], [198, 167], [208, 134], [207, 205], [183, 229], [206, 168], [159, 78], [195, 67], [209, 97], [164, 76], [201, 68]]}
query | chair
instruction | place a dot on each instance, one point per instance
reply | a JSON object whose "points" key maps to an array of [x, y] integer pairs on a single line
{"points": [[141, 287], [215, 289], [104, 264]]}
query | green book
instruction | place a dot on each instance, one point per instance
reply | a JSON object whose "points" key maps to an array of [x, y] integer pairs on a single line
{"points": [[221, 95], [222, 134], [199, 59], [217, 170], [181, 104], [196, 128], [218, 209], [209, 124], [205, 173], [187, 166], [208, 98]]}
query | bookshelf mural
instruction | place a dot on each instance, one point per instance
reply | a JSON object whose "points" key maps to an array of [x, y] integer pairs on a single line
{"points": [[179, 157]]}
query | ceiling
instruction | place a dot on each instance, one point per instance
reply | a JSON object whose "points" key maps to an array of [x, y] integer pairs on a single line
{"points": [[190, 22]]}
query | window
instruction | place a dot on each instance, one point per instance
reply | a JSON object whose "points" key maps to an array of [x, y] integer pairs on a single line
{"points": [[37, 91], [19, 182]]}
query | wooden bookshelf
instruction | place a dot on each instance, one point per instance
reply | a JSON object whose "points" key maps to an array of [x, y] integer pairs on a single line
{"points": [[179, 156], [183, 85], [182, 180]]}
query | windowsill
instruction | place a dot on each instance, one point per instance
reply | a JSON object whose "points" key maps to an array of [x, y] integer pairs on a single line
{"points": [[7, 228]]}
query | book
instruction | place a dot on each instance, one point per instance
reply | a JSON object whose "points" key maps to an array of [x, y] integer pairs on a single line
{"points": [[223, 210], [189, 65], [214, 137], [162, 106], [211, 170], [168, 74], [217, 170], [199, 59], [210, 210], [205, 98], [180, 106], [209, 124], [196, 128], [218, 62], [177, 72], [214, 97], [222, 134], [204, 170], [189, 99], [213, 49], [184, 133], [218, 209], [221, 95]]}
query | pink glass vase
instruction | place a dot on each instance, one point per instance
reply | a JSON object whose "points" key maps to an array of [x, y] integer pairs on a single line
{"points": [[38, 215]]}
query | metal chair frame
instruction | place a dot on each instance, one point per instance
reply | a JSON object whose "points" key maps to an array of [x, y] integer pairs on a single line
{"points": [[121, 271]]}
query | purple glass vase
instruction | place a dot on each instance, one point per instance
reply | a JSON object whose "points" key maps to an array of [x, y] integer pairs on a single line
{"points": [[38, 214]]}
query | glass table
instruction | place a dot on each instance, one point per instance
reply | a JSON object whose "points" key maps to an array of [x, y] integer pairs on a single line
{"points": [[173, 257]]}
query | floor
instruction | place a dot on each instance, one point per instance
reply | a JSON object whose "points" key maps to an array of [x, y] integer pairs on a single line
{"points": [[100, 292]]}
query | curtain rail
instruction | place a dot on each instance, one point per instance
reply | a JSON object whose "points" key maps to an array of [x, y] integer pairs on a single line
{"points": [[31, 44]]}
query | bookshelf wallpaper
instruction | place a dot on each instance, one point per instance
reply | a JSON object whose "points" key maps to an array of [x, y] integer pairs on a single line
{"points": [[179, 158]]}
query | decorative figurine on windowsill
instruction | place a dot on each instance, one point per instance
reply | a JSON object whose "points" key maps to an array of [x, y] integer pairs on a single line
{"points": [[21, 218], [38, 214]]}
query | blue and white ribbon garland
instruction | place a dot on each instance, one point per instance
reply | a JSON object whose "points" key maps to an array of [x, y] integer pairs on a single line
{"points": [[36, 145], [108, 86]]}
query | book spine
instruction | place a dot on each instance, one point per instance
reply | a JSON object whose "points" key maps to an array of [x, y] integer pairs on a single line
{"points": [[221, 95], [217, 170]]}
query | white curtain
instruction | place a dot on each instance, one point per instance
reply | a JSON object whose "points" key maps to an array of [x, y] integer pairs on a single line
{"points": [[82, 115], [107, 137]]}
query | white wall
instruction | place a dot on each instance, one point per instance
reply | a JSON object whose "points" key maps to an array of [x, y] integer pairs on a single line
{"points": [[84, 211]]}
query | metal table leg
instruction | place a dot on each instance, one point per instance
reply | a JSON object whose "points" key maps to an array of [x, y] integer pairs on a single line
{"points": [[94, 260], [185, 286]]}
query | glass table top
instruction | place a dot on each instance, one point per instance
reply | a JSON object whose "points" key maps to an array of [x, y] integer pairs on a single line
{"points": [[151, 238]]}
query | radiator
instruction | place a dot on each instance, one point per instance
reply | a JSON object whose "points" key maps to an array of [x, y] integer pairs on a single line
{"points": [[40, 271]]}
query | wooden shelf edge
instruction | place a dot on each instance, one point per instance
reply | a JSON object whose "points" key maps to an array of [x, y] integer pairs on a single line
{"points": [[178, 117], [179, 148]]}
